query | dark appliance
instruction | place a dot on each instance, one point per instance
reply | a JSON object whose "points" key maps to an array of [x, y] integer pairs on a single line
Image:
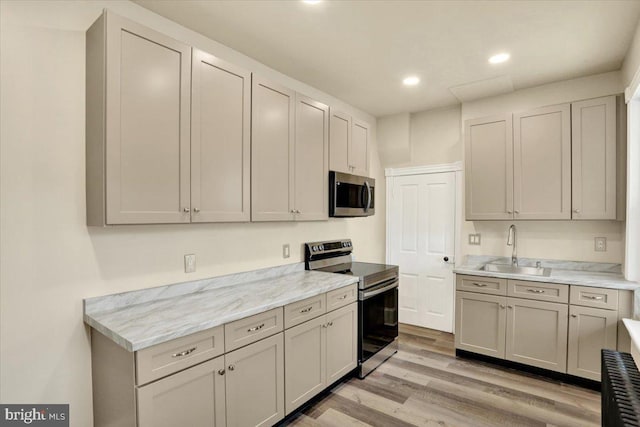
{"points": [[351, 195], [620, 390], [377, 299]]}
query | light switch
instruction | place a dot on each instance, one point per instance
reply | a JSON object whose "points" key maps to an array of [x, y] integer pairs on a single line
{"points": [[285, 251], [189, 263], [600, 244]]}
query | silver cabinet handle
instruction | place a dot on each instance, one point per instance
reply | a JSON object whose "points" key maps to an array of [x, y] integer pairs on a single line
{"points": [[343, 296], [502, 305], [574, 315], [509, 212], [593, 297], [255, 328], [232, 367], [325, 325], [482, 285], [297, 210], [196, 210], [576, 210], [509, 306], [330, 323], [536, 291], [186, 210], [516, 211], [184, 353], [220, 371], [306, 310]]}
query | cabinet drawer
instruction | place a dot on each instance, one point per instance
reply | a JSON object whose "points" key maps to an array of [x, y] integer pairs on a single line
{"points": [[594, 297], [254, 328], [484, 285], [553, 292], [341, 297], [164, 359], [301, 311]]}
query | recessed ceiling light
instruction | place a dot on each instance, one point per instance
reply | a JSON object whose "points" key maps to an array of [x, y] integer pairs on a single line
{"points": [[311, 1], [411, 81], [501, 57]]}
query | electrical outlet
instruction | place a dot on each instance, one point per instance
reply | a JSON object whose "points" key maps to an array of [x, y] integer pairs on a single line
{"points": [[286, 253], [189, 263], [474, 239], [600, 244]]}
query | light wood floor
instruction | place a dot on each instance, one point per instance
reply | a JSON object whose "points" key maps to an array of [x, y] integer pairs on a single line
{"points": [[425, 385]]}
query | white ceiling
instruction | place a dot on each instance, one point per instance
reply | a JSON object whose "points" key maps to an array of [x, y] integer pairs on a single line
{"points": [[359, 51]]}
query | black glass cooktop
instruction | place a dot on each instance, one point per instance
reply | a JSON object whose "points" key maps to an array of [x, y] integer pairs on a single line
{"points": [[364, 269]]}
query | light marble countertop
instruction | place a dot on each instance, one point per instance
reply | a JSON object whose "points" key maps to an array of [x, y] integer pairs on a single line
{"points": [[140, 319], [599, 275]]}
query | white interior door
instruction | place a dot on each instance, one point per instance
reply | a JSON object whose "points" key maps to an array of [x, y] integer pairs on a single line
{"points": [[421, 222]]}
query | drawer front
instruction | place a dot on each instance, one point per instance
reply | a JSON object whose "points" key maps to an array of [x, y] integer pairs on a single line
{"points": [[340, 297], [594, 297], [553, 292], [254, 328], [484, 285], [164, 359], [307, 309]]}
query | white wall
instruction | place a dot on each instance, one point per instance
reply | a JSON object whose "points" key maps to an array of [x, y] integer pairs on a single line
{"points": [[50, 259], [631, 63], [394, 138]]}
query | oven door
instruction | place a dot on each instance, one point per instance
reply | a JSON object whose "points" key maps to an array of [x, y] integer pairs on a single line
{"points": [[378, 318]]}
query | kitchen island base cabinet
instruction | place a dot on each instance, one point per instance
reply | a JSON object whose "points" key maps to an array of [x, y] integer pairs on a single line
{"points": [[255, 383], [537, 333], [193, 397], [590, 330], [480, 323]]}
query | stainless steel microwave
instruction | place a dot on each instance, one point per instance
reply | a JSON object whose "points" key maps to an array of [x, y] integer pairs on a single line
{"points": [[351, 195]]}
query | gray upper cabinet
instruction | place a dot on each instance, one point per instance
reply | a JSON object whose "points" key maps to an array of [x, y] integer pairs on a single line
{"points": [[138, 103], [220, 140], [542, 163], [594, 158], [489, 168], [272, 145], [349, 144], [340, 141], [359, 150], [311, 184]]}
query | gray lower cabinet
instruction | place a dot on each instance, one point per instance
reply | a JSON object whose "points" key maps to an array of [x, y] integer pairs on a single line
{"points": [[319, 352], [480, 323], [193, 397], [255, 383], [537, 333], [590, 330]]}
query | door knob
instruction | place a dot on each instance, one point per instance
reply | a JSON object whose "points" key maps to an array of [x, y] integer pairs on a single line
{"points": [[446, 259]]}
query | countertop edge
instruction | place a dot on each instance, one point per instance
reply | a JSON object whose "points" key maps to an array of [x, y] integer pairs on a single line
{"points": [[603, 283]]}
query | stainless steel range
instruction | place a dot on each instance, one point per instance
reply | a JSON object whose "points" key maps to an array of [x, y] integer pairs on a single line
{"points": [[377, 299]]}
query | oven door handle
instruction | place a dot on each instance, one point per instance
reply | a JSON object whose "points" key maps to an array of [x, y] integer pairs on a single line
{"points": [[370, 294]]}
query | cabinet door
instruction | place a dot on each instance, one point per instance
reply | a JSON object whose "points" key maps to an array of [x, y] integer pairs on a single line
{"points": [[311, 185], [147, 125], [305, 362], [590, 330], [272, 140], [480, 323], [255, 383], [339, 142], [537, 333], [193, 397], [542, 163], [359, 149], [593, 152], [220, 140], [342, 342], [489, 168]]}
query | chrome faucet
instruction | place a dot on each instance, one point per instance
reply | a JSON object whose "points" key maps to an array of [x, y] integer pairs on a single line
{"points": [[511, 241]]}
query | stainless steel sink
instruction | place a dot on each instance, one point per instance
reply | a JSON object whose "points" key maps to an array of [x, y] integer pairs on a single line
{"points": [[511, 269]]}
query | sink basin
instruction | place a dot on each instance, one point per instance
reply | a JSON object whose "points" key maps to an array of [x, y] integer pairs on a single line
{"points": [[511, 269]]}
